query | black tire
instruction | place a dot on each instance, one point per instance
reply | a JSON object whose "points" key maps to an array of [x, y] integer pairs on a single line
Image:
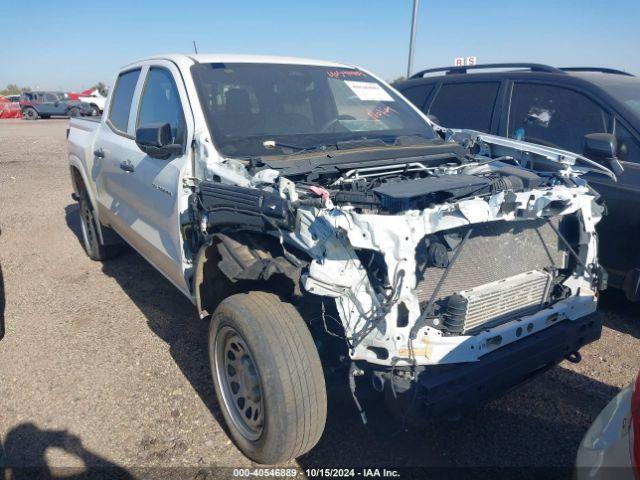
{"points": [[29, 113], [95, 111], [74, 112], [90, 238], [277, 373]]}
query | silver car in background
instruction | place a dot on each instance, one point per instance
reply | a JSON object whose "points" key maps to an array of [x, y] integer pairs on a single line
{"points": [[611, 447]]}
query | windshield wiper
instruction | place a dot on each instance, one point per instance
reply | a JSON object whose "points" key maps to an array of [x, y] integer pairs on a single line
{"points": [[384, 141], [271, 144]]}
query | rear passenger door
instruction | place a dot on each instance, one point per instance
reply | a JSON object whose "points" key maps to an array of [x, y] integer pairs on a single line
{"points": [[467, 105]]}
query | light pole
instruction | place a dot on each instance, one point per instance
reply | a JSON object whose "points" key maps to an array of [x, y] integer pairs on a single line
{"points": [[412, 39]]}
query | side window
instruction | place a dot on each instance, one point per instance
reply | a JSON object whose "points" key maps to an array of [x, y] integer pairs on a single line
{"points": [[49, 97], [465, 105], [418, 94], [121, 99], [554, 116], [628, 146], [160, 103]]}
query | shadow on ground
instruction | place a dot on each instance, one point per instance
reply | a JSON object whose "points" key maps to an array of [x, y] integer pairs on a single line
{"points": [[619, 313], [169, 314], [539, 424], [2, 303], [23, 456]]}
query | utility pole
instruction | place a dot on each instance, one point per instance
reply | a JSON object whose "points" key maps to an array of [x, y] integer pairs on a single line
{"points": [[195, 48], [412, 39]]}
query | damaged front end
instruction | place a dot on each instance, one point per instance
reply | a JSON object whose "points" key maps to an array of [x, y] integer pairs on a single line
{"points": [[438, 256]]}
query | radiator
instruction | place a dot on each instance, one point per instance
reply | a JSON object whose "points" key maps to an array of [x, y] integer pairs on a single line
{"points": [[495, 251], [488, 304]]}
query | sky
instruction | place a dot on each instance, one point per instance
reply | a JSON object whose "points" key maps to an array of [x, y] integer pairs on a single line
{"points": [[71, 45]]}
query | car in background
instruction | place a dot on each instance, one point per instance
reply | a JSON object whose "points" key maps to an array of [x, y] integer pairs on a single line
{"points": [[96, 102], [554, 107], [611, 447], [9, 108], [13, 98], [40, 104]]}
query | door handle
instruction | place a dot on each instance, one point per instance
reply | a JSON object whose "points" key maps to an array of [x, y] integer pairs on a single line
{"points": [[99, 153], [127, 166]]}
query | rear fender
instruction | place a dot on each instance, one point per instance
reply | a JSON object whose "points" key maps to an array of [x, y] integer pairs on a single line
{"points": [[80, 181]]}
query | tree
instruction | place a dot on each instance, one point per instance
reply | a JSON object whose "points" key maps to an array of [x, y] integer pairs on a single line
{"points": [[13, 89], [399, 79]]}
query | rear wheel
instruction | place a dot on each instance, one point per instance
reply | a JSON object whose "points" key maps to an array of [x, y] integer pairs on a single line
{"points": [[30, 113], [95, 111], [74, 112], [95, 249], [267, 376]]}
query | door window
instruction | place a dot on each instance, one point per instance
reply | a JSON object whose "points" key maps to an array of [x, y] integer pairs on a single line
{"points": [[160, 103], [121, 99], [554, 116], [465, 105], [628, 146], [49, 98], [418, 95]]}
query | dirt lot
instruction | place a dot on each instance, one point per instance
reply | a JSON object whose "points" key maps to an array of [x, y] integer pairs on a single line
{"points": [[105, 364]]}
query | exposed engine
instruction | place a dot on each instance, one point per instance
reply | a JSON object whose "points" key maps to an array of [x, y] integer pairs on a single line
{"points": [[427, 251]]}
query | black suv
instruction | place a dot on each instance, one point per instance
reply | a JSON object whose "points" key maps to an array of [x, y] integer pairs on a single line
{"points": [[555, 107]]}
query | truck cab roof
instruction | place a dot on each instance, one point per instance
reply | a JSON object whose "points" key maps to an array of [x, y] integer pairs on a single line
{"points": [[189, 59]]}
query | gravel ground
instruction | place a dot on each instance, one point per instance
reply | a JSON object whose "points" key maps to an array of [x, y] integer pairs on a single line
{"points": [[105, 364]]}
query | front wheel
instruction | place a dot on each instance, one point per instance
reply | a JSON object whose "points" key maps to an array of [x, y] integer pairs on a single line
{"points": [[267, 376], [74, 112], [30, 113], [95, 111]]}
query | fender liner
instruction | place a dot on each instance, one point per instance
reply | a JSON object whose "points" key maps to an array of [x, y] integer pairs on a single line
{"points": [[244, 257]]}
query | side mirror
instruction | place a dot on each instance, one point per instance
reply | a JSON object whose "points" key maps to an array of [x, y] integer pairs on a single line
{"points": [[603, 148], [156, 140]]}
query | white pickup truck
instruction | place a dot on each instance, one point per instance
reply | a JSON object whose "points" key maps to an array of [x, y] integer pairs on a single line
{"points": [[96, 101], [325, 225]]}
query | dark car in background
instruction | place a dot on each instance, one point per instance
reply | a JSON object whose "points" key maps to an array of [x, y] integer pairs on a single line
{"points": [[48, 104], [555, 107]]}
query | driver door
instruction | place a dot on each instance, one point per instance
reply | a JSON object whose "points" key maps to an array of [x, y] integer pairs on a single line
{"points": [[48, 104], [142, 193]]}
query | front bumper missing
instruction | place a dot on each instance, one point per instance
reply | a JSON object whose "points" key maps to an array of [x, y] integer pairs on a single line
{"points": [[445, 390], [380, 327]]}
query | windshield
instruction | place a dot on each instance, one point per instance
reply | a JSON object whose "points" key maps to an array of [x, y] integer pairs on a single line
{"points": [[267, 109], [627, 92]]}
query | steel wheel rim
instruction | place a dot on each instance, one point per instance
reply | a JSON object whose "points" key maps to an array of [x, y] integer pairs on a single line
{"points": [[239, 383], [86, 225]]}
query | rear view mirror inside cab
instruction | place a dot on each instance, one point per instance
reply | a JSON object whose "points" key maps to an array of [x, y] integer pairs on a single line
{"points": [[156, 140]]}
